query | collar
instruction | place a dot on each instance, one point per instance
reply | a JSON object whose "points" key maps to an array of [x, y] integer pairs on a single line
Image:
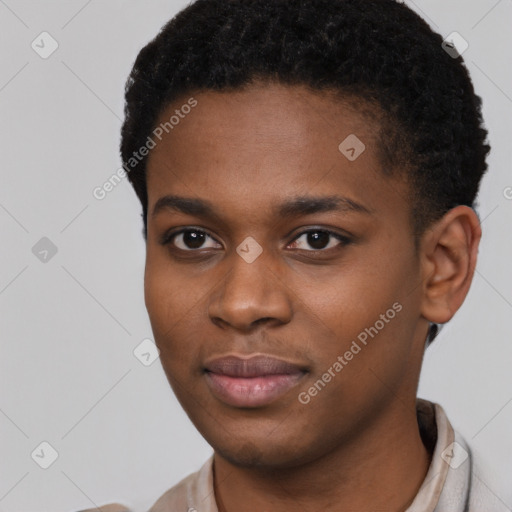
{"points": [[445, 487], [448, 480]]}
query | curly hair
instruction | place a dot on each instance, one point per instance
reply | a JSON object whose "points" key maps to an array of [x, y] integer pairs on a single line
{"points": [[374, 52]]}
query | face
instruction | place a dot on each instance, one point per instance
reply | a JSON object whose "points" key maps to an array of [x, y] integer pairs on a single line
{"points": [[266, 242]]}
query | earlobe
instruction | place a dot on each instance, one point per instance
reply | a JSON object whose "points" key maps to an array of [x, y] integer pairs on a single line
{"points": [[448, 253]]}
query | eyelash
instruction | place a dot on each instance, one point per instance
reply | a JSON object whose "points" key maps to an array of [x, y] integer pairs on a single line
{"points": [[168, 238]]}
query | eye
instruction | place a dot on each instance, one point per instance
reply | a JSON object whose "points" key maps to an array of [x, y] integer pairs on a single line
{"points": [[190, 239], [319, 239]]}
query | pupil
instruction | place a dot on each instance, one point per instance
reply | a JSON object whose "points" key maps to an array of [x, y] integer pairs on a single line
{"points": [[318, 239], [193, 239]]}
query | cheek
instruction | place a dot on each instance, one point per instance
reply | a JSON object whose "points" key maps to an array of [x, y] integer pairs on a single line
{"points": [[168, 302], [365, 315], [170, 317], [168, 293], [348, 300]]}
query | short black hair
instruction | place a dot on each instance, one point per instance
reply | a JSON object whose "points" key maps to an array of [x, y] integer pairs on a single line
{"points": [[373, 52]]}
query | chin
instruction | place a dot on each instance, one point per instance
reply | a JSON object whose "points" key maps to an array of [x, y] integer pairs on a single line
{"points": [[261, 453], [247, 455]]}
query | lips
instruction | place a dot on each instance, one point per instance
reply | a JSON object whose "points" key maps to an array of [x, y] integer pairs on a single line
{"points": [[256, 366], [251, 382]]}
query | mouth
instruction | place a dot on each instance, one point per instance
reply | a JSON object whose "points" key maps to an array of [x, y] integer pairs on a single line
{"points": [[251, 382]]}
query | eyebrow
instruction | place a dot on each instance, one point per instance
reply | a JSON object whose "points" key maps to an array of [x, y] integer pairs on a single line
{"points": [[298, 206]]}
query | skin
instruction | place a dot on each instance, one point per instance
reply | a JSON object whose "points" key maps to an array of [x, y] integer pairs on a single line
{"points": [[356, 444]]}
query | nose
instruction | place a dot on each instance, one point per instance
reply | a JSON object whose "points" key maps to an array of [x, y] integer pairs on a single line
{"points": [[251, 294]]}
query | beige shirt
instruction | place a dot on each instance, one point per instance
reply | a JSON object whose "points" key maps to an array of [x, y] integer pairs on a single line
{"points": [[451, 485]]}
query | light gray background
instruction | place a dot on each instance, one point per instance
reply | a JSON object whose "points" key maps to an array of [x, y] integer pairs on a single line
{"points": [[68, 327]]}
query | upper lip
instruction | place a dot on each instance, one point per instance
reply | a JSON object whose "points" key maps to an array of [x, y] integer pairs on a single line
{"points": [[254, 366]]}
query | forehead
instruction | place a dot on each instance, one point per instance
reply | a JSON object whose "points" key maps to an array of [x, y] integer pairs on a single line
{"points": [[267, 143]]}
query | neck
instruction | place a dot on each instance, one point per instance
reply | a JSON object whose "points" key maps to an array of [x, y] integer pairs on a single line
{"points": [[382, 468]]}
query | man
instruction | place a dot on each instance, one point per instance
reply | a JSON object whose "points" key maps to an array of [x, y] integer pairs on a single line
{"points": [[307, 171]]}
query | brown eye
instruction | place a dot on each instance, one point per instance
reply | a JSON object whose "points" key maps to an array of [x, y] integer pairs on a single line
{"points": [[319, 239], [191, 239]]}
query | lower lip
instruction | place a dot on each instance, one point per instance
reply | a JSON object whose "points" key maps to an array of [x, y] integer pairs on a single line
{"points": [[251, 392]]}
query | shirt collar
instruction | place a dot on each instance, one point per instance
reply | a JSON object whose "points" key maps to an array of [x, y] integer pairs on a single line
{"points": [[447, 483], [445, 487]]}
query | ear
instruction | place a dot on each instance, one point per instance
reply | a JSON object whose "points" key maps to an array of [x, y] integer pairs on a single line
{"points": [[449, 252]]}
